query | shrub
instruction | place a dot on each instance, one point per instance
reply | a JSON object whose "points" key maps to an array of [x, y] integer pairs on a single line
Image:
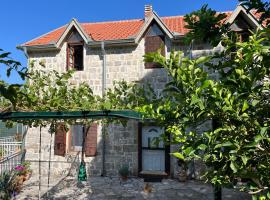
{"points": [[6, 185], [124, 171]]}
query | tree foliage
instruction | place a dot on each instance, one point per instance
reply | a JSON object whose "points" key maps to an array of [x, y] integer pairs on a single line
{"points": [[8, 92], [236, 101], [205, 25]]}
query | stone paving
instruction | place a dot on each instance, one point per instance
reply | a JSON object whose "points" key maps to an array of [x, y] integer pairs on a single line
{"points": [[105, 188]]}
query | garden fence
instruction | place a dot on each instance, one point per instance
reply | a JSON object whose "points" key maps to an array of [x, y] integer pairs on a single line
{"points": [[11, 152], [10, 162], [9, 146]]}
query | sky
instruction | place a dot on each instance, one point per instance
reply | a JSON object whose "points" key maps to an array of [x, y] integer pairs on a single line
{"points": [[24, 20]]}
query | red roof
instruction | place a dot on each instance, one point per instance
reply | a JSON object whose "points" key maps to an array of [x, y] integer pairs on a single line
{"points": [[113, 30], [175, 24], [48, 38]]}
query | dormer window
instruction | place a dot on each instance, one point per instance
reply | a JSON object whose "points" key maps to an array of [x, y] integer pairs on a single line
{"points": [[242, 28], [154, 40], [75, 57], [75, 51]]}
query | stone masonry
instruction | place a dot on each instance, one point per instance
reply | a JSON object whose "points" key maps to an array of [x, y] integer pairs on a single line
{"points": [[123, 63]]}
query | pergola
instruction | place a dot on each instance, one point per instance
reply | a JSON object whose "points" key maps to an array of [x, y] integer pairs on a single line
{"points": [[66, 115], [128, 114]]}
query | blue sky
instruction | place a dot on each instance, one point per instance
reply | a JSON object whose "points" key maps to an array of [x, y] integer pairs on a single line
{"points": [[24, 20]]}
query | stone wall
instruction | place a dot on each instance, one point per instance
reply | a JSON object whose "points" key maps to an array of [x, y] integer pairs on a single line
{"points": [[123, 63], [120, 149]]}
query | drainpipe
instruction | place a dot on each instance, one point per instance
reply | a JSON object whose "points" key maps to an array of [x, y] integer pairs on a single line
{"points": [[103, 173]]}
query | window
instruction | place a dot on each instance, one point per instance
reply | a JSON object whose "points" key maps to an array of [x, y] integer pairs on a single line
{"points": [[74, 141], [244, 36], [76, 132], [241, 27], [152, 44], [153, 151], [75, 56]]}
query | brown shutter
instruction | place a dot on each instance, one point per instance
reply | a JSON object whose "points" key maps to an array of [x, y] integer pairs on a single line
{"points": [[70, 57], [91, 141], [60, 140], [152, 44]]}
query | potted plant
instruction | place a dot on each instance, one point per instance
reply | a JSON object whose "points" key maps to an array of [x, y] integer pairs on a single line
{"points": [[23, 171], [17, 184], [182, 174], [27, 170], [20, 172], [124, 171]]}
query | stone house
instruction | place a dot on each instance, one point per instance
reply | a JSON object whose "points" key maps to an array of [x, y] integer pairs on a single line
{"points": [[101, 53]]}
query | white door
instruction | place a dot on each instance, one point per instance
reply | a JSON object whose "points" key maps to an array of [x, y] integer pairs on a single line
{"points": [[153, 151]]}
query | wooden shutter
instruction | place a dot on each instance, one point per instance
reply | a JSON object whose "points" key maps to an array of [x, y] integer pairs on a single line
{"points": [[91, 141], [152, 44], [60, 140], [70, 57]]}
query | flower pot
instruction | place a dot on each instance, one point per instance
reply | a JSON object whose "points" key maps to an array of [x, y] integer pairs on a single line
{"points": [[24, 177], [28, 176], [17, 183], [124, 178]]}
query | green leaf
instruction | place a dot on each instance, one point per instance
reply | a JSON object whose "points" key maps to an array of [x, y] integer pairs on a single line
{"points": [[233, 167], [189, 151], [239, 72], [225, 144], [258, 138], [195, 99], [244, 159], [263, 130], [202, 59], [254, 197], [206, 84], [202, 147], [178, 155], [245, 106], [255, 102]]}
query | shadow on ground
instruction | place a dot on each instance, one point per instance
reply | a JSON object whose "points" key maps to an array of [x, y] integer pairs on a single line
{"points": [[105, 188]]}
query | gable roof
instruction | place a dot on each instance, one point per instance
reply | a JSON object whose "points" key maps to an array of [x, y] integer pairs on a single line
{"points": [[252, 16], [124, 31]]}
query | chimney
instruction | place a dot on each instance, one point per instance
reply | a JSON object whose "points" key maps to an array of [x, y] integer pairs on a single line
{"points": [[148, 10]]}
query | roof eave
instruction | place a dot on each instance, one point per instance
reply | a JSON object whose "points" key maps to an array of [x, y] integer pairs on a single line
{"points": [[78, 27], [129, 41], [147, 23], [237, 11], [38, 47], [177, 37]]}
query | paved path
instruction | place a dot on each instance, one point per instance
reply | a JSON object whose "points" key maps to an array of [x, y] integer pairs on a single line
{"points": [[104, 188]]}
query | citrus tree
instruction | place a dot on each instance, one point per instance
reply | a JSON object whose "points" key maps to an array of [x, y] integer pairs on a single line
{"points": [[236, 100]]}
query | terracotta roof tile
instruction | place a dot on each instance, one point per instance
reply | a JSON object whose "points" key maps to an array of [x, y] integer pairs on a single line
{"points": [[114, 30], [48, 38], [175, 24], [258, 16]]}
